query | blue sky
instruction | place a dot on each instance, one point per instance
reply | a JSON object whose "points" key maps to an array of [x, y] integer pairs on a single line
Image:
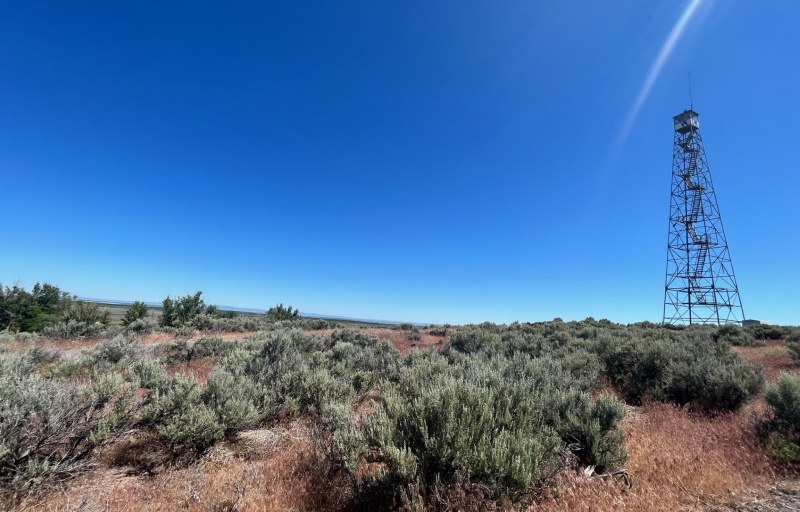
{"points": [[453, 161]]}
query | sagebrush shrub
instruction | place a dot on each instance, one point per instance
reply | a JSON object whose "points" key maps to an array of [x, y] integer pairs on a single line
{"points": [[471, 339], [179, 415], [501, 424], [85, 312], [148, 372], [738, 336], [141, 326], [72, 329], [783, 431], [49, 427], [686, 367], [438, 330], [794, 349]]}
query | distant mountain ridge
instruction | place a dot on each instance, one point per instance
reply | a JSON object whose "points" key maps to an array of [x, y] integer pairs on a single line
{"points": [[157, 305]]}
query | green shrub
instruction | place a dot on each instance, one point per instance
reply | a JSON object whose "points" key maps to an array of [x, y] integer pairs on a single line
{"points": [[280, 313], [32, 311], [713, 383], [137, 311], [179, 415], [438, 330], [237, 402], [179, 312], [148, 373], [49, 427], [766, 332], [471, 339], [738, 336], [794, 350], [213, 346], [686, 368], [71, 329], [315, 324], [783, 430], [85, 312], [141, 326], [502, 424], [114, 351]]}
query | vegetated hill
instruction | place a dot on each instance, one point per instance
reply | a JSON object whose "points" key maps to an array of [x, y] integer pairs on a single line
{"points": [[212, 415]]}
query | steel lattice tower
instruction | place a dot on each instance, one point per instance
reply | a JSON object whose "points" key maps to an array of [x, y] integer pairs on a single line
{"points": [[701, 286]]}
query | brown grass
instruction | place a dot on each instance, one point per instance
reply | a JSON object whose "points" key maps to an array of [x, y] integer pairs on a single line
{"points": [[200, 368], [283, 469], [774, 358], [677, 461]]}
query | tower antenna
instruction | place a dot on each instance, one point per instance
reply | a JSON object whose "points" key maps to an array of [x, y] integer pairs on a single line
{"points": [[691, 102]]}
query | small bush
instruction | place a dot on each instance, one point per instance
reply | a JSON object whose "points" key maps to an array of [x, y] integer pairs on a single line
{"points": [[72, 329], [141, 327], [49, 427], [437, 330], [211, 347], [179, 415], [179, 312], [686, 368], [794, 350], [149, 373], [766, 332], [783, 430], [85, 312], [471, 339], [315, 324], [280, 313], [738, 336], [114, 351], [501, 424]]}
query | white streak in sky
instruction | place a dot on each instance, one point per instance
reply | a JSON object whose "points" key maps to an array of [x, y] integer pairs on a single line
{"points": [[655, 69]]}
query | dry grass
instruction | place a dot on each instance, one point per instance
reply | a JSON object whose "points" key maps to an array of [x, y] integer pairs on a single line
{"points": [[774, 358], [283, 469], [677, 461], [404, 345], [201, 368]]}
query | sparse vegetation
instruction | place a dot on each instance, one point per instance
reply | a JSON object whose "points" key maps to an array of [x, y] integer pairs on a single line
{"points": [[496, 417]]}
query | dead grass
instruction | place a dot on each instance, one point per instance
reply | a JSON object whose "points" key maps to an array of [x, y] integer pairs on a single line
{"points": [[677, 461], [284, 469], [774, 358], [404, 345], [201, 368]]}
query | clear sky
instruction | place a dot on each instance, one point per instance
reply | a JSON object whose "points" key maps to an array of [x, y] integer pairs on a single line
{"points": [[445, 161]]}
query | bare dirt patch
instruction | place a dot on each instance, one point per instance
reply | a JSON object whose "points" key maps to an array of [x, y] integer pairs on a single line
{"points": [[400, 340]]}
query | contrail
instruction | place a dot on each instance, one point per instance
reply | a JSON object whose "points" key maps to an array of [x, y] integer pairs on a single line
{"points": [[655, 69]]}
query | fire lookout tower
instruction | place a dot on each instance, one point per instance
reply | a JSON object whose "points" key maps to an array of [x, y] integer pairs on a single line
{"points": [[700, 286]]}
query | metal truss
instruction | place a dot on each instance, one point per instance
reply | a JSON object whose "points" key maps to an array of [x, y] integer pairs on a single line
{"points": [[700, 286]]}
